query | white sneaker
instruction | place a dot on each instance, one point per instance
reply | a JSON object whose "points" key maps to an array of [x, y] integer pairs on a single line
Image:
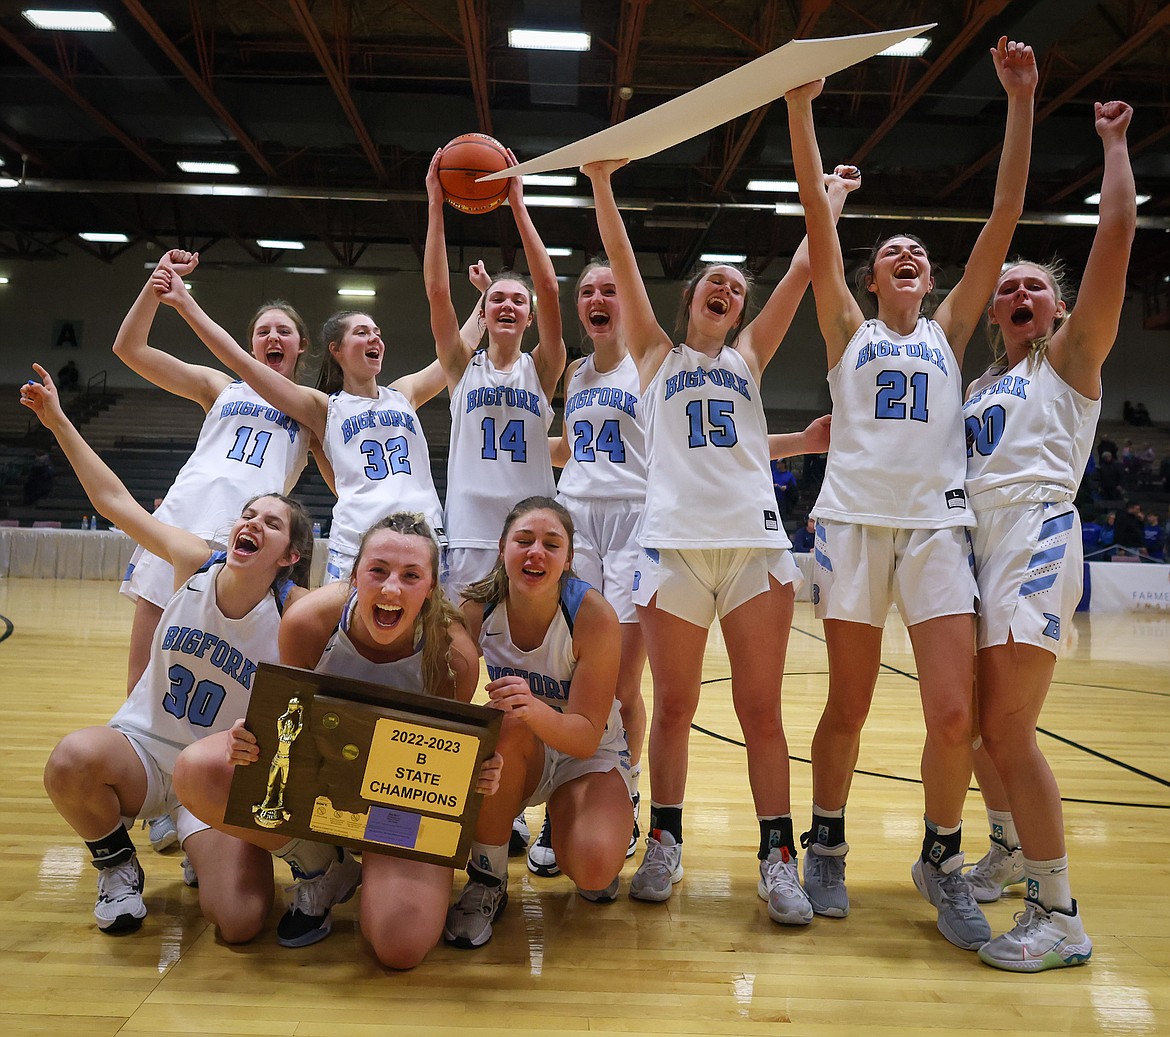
{"points": [[119, 907], [780, 886], [542, 859], [997, 869], [469, 919], [660, 869], [1040, 940], [162, 831], [189, 876], [636, 834], [518, 841], [309, 917]]}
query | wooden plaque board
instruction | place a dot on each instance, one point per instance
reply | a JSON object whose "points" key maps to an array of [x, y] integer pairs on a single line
{"points": [[362, 765]]}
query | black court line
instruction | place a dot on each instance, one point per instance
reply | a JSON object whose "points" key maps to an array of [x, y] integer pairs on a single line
{"points": [[8, 628], [918, 781]]}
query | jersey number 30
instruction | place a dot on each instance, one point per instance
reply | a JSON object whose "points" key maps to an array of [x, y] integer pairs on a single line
{"points": [[199, 703]]}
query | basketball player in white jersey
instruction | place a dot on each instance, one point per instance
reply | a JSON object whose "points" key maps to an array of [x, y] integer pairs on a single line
{"points": [[219, 625], [500, 395], [388, 624], [550, 644], [891, 527], [370, 434], [712, 539], [1031, 421], [602, 450]]}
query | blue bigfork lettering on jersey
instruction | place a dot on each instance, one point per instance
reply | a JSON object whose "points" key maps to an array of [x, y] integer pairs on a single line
{"points": [[1012, 384], [376, 419], [248, 409], [225, 657], [701, 376], [603, 396], [543, 686], [883, 348], [503, 396]]}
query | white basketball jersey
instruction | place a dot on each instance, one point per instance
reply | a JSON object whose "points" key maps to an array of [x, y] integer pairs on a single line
{"points": [[608, 444], [381, 464], [340, 657], [499, 448], [549, 667], [202, 664], [245, 447], [708, 484], [897, 457], [1029, 435]]}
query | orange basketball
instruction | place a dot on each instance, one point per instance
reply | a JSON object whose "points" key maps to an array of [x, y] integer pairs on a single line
{"points": [[468, 157]]}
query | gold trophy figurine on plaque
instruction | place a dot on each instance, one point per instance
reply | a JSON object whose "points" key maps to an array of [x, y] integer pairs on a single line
{"points": [[271, 813]]}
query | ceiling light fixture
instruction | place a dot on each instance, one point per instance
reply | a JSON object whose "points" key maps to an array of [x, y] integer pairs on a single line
{"points": [[544, 39], [276, 243], [357, 293], [559, 251], [3, 280], [914, 47], [218, 168], [7, 181], [69, 21], [548, 180], [722, 257], [558, 201], [774, 186], [103, 237], [1095, 199]]}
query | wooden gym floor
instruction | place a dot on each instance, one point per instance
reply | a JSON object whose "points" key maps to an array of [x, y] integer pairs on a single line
{"points": [[707, 962]]}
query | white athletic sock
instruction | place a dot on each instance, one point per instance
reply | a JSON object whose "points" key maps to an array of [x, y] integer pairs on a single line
{"points": [[1003, 828], [632, 776], [1048, 883], [310, 858], [492, 859]]}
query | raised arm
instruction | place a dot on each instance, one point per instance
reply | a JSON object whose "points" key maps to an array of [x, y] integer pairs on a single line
{"points": [[423, 385], [306, 405], [185, 551], [647, 342], [453, 352], [191, 381], [549, 354], [1082, 343], [762, 337], [961, 311], [559, 447]]}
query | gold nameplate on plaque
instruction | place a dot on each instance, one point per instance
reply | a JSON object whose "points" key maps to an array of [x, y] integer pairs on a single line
{"points": [[362, 765]]}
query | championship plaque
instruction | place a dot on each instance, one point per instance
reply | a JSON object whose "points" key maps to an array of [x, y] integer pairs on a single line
{"points": [[362, 765]]}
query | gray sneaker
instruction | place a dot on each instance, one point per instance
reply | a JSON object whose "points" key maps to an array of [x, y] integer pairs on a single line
{"points": [[997, 869], [959, 917], [601, 896], [469, 919], [660, 869], [824, 882], [779, 885]]}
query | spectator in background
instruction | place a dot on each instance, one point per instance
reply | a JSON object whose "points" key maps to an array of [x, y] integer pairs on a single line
{"points": [[1108, 531], [1109, 474], [38, 482], [1129, 527], [1141, 416], [805, 537], [1127, 413], [68, 377], [1164, 472], [1153, 538], [1106, 446], [785, 487]]}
